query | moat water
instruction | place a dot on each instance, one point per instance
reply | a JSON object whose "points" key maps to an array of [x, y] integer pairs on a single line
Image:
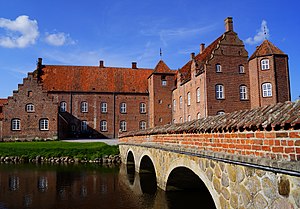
{"points": [[87, 187]]}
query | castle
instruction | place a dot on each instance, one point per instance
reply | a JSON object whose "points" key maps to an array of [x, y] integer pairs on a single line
{"points": [[100, 102]]}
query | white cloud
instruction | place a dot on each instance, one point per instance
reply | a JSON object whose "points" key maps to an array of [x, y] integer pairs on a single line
{"points": [[58, 39], [21, 32], [262, 33]]}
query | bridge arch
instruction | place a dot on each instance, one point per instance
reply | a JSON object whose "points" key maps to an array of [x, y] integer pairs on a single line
{"points": [[148, 175], [192, 169]]}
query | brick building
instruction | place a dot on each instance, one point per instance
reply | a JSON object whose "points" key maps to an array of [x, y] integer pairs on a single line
{"points": [[98, 101]]}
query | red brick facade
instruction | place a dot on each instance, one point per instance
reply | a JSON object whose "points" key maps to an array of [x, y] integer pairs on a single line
{"points": [[101, 102]]}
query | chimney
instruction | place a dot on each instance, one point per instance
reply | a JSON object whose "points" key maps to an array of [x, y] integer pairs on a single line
{"points": [[134, 65], [192, 55], [202, 47], [40, 62], [101, 64], [39, 67], [228, 24]]}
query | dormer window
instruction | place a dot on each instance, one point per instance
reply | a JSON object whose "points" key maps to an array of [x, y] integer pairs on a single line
{"points": [[218, 68], [29, 108], [265, 64]]}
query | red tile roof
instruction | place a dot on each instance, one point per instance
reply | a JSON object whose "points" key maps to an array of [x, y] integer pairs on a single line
{"points": [[201, 58], [266, 48], [278, 116], [93, 78], [161, 67]]}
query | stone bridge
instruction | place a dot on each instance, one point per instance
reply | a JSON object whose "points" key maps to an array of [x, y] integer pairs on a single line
{"points": [[245, 159]]}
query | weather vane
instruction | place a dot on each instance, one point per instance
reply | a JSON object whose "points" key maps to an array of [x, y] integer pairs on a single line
{"points": [[265, 33], [160, 53]]}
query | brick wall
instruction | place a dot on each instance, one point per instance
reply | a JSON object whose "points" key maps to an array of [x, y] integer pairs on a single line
{"points": [[282, 78]]}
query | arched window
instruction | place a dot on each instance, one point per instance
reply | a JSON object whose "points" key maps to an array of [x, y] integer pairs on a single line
{"points": [[30, 108], [189, 98], [180, 102], [123, 107], [142, 125], [220, 91], [103, 107], [15, 124], [267, 89], [264, 64], [198, 95], [84, 107], [221, 112], [63, 107], [123, 125], [218, 68], [44, 124], [84, 125], [189, 118], [103, 125], [174, 105], [142, 107], [243, 92], [198, 115], [241, 69], [181, 120]]}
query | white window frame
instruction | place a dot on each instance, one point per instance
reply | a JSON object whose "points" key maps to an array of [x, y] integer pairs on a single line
{"points": [[266, 90], [181, 120], [198, 115], [103, 125], [221, 112], [123, 125], [103, 107], [174, 105], [63, 107], [265, 64], [163, 82], [143, 125], [189, 118], [243, 92], [15, 124], [198, 95], [180, 102], [241, 69], [188, 98], [30, 107], [84, 125], [123, 107], [44, 124], [84, 107], [142, 107], [218, 68], [220, 94]]}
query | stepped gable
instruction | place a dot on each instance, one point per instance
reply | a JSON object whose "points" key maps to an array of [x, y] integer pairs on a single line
{"points": [[2, 102], [201, 59], [266, 48], [94, 79], [278, 116]]}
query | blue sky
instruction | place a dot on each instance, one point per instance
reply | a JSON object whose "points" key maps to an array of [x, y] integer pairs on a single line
{"points": [[121, 31]]}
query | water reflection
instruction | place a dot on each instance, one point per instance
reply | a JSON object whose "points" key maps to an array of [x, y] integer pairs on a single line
{"points": [[85, 186]]}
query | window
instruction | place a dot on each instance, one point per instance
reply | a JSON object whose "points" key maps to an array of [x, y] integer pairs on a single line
{"points": [[29, 93], [180, 102], [174, 105], [84, 107], [241, 69], [103, 125], [189, 118], [220, 91], [16, 124], [160, 120], [265, 64], [221, 112], [267, 90], [218, 68], [163, 80], [198, 95], [84, 125], [123, 125], [198, 115], [63, 107], [143, 125], [123, 107], [30, 108], [243, 92], [189, 98], [174, 121], [142, 108], [181, 120], [104, 107], [44, 124]]}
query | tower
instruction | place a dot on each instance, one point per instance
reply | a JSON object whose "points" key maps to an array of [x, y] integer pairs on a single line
{"points": [[269, 75]]}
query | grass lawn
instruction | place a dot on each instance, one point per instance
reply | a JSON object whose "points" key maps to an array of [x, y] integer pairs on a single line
{"points": [[48, 149]]}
